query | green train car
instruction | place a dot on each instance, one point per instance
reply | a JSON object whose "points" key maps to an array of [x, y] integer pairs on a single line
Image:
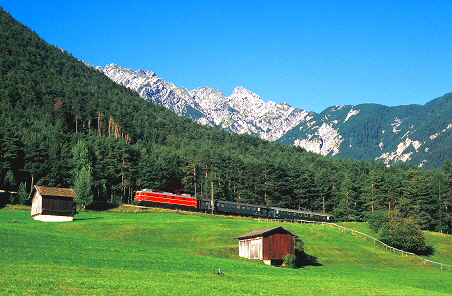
{"points": [[242, 209], [290, 214]]}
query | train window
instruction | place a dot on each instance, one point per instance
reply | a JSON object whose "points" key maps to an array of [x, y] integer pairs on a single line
{"points": [[222, 205], [172, 197], [165, 196], [305, 215], [258, 209], [238, 207], [184, 198], [249, 208]]}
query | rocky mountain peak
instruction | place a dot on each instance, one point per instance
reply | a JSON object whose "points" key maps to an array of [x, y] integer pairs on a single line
{"points": [[241, 112]]}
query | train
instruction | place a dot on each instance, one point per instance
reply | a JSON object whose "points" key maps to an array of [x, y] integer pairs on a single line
{"points": [[156, 198]]}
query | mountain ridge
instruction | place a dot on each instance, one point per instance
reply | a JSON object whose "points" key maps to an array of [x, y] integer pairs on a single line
{"points": [[241, 112], [370, 132]]}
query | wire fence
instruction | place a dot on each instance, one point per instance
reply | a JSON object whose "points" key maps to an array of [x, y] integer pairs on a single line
{"points": [[367, 237]]}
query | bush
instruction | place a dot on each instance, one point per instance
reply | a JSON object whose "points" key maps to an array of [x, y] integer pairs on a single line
{"points": [[299, 245], [290, 261], [404, 234]]}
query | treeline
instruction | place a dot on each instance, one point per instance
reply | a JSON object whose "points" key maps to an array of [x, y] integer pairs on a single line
{"points": [[62, 123]]}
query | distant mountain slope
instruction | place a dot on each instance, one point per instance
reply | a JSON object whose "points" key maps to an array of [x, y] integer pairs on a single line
{"points": [[420, 135]]}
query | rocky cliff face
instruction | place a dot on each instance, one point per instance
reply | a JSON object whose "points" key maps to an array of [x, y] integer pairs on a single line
{"points": [[241, 112], [416, 134]]}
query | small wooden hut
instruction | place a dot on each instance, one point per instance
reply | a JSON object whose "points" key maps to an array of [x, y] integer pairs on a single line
{"points": [[269, 245], [51, 204]]}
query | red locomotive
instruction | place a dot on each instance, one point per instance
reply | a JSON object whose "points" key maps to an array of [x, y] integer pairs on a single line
{"points": [[157, 198]]}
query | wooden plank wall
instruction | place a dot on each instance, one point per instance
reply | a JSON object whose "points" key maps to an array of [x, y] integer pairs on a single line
{"points": [[276, 246]]}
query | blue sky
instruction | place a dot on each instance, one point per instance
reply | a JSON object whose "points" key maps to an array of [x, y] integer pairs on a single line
{"points": [[309, 54]]}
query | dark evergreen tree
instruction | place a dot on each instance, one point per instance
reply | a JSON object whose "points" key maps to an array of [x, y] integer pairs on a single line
{"points": [[22, 194]]}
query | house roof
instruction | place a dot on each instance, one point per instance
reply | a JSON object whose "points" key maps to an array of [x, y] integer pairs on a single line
{"points": [[265, 232], [53, 191]]}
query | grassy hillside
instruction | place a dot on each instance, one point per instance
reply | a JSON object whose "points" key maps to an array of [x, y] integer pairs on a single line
{"points": [[179, 253], [441, 244]]}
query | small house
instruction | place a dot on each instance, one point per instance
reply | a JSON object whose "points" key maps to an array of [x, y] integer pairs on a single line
{"points": [[51, 204], [269, 245]]}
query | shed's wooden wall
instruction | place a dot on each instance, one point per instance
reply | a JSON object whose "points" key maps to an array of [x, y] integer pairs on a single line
{"points": [[276, 246], [251, 248], [59, 206]]}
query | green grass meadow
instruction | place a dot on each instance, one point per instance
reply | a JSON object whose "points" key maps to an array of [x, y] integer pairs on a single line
{"points": [[169, 253]]}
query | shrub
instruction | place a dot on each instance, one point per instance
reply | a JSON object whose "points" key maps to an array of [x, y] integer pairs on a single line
{"points": [[404, 234], [299, 245], [290, 261]]}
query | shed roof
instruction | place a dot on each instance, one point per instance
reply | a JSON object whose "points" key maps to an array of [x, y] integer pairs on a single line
{"points": [[53, 191], [265, 232]]}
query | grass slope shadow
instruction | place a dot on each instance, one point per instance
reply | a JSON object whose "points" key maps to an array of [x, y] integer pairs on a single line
{"points": [[304, 259]]}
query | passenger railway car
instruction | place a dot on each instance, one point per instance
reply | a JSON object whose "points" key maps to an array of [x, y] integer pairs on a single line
{"points": [[290, 214], [230, 207], [149, 197]]}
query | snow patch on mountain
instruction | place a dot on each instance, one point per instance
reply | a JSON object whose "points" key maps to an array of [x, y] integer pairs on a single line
{"points": [[325, 141], [397, 122], [400, 154], [350, 114]]}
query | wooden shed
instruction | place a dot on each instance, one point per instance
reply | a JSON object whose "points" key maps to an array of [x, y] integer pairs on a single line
{"points": [[51, 204], [269, 245]]}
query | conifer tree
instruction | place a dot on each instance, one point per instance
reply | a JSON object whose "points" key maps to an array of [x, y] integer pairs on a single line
{"points": [[82, 187], [82, 174], [22, 194]]}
